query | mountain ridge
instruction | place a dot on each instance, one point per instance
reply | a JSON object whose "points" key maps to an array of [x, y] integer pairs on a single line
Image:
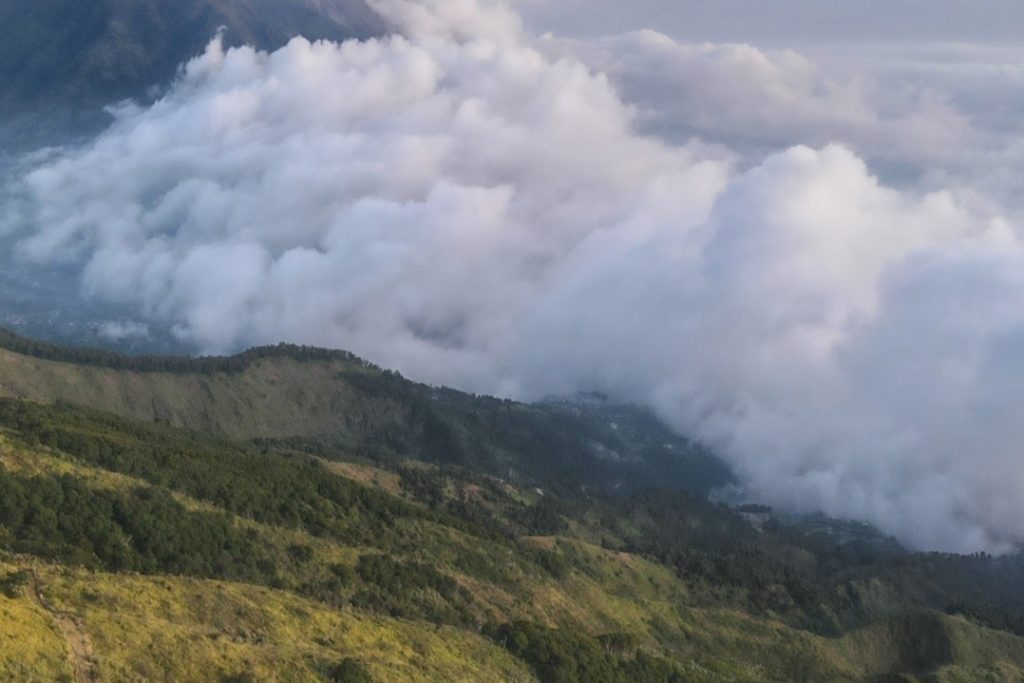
{"points": [[63, 62], [60, 52], [323, 399]]}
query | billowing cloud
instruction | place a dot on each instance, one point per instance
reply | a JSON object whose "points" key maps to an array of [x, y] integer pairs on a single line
{"points": [[479, 207], [757, 100], [394, 189]]}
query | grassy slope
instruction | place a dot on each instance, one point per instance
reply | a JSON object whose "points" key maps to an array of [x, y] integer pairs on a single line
{"points": [[168, 628], [348, 404], [273, 398], [176, 629], [31, 648]]}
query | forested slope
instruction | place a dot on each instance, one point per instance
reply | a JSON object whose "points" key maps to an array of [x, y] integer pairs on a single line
{"points": [[331, 401], [186, 557]]}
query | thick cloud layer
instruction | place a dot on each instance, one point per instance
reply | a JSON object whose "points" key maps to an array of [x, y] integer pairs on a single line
{"points": [[478, 207], [756, 100]]}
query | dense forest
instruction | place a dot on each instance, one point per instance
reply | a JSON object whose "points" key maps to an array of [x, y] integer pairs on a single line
{"points": [[103, 358]]}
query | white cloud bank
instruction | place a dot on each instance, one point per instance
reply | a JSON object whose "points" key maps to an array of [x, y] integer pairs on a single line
{"points": [[757, 100], [468, 206]]}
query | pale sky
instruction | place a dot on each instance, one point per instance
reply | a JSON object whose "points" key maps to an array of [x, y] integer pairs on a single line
{"points": [[789, 22]]}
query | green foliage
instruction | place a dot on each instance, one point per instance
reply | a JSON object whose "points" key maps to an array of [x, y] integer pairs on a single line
{"points": [[619, 644], [206, 365], [243, 677], [396, 577], [144, 530], [349, 671], [322, 401], [558, 656], [189, 501], [271, 488], [405, 589], [553, 562], [811, 581], [14, 582]]}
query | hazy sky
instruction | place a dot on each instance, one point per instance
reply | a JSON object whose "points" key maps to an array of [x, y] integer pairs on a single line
{"points": [[809, 255], [788, 22]]}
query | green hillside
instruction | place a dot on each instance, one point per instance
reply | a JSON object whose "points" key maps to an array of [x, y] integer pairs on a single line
{"points": [[331, 402], [134, 549]]}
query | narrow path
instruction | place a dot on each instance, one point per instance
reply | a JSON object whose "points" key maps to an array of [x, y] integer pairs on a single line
{"points": [[80, 650]]}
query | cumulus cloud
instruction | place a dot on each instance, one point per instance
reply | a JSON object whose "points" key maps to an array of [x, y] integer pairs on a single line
{"points": [[757, 100], [471, 206], [929, 115]]}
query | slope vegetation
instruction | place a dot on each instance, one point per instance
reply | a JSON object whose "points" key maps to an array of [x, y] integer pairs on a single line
{"points": [[332, 402], [179, 556]]}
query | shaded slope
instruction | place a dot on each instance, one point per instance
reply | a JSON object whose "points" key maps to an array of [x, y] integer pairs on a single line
{"points": [[63, 61], [61, 52], [328, 402]]}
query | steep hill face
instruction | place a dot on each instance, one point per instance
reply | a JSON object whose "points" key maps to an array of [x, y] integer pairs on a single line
{"points": [[329, 402], [272, 398], [62, 52]]}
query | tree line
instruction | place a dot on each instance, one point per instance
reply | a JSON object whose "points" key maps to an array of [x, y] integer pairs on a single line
{"points": [[102, 358]]}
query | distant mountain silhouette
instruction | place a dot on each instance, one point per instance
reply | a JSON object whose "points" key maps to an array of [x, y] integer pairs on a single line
{"points": [[75, 54]]}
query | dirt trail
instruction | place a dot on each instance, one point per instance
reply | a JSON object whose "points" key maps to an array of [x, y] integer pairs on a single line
{"points": [[80, 650]]}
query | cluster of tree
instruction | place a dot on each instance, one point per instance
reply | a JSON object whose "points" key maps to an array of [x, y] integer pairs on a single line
{"points": [[489, 506], [349, 670], [146, 530], [816, 581], [989, 615], [564, 450], [426, 486], [14, 582], [143, 530], [256, 481], [173, 364], [560, 656], [411, 589], [273, 488], [397, 577]]}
